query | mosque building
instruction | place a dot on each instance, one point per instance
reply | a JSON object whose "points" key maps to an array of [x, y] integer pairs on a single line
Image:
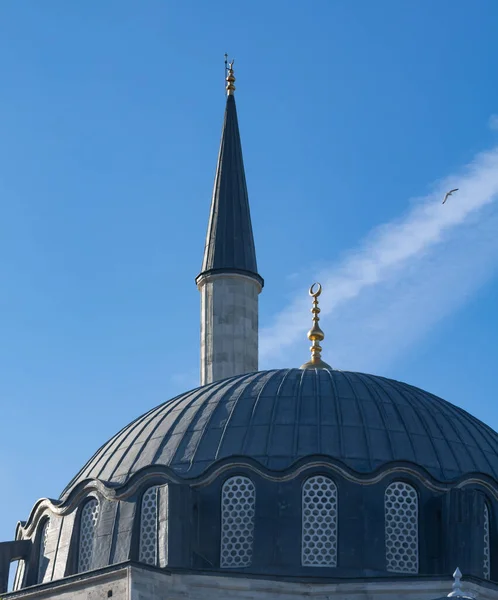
{"points": [[274, 484]]}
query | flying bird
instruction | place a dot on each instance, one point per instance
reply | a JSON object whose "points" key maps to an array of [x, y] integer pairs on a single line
{"points": [[448, 194]]}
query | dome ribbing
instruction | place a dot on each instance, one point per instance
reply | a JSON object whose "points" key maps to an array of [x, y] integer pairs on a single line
{"points": [[278, 417]]}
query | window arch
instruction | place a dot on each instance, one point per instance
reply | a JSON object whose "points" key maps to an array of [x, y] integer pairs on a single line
{"points": [[19, 576], [89, 515], [319, 522], [42, 556], [238, 500], [148, 527], [486, 562], [401, 527]]}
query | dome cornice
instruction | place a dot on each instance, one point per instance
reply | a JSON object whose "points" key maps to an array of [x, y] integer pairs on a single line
{"points": [[159, 475]]}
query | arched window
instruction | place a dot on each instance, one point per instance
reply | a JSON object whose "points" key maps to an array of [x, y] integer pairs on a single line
{"points": [[238, 499], [401, 522], [42, 557], [487, 561], [319, 514], [89, 515], [148, 527]]}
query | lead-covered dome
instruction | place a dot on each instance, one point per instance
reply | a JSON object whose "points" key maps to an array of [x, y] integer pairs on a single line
{"points": [[279, 417]]}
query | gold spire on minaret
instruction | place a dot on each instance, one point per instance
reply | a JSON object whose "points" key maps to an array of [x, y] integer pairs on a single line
{"points": [[315, 334], [230, 79]]}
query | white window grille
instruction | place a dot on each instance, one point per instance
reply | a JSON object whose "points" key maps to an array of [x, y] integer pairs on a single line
{"points": [[401, 524], [486, 562], [238, 499], [42, 557], [319, 529], [89, 516], [148, 527]]}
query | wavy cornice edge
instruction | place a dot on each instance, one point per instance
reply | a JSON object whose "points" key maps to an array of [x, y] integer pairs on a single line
{"points": [[163, 474]]}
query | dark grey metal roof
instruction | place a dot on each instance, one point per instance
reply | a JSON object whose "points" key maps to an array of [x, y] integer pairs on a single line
{"points": [[229, 240], [277, 417]]}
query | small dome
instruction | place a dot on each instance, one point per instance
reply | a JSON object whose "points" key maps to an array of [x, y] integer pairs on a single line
{"points": [[279, 417]]}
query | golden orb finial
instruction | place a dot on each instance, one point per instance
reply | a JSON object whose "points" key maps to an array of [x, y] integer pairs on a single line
{"points": [[315, 334], [230, 78]]}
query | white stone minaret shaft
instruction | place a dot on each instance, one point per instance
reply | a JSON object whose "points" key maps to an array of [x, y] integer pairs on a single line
{"points": [[229, 282]]}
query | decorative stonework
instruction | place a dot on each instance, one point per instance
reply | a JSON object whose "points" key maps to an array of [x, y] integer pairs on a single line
{"points": [[486, 562], [89, 516], [319, 533], [401, 527], [238, 498], [148, 527], [42, 559]]}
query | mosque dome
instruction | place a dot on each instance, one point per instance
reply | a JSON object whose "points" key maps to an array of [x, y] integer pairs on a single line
{"points": [[282, 471], [280, 417], [295, 473], [288, 472]]}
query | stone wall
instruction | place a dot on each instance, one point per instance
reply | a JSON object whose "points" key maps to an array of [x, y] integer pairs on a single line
{"points": [[109, 584], [154, 585], [133, 582], [229, 326]]}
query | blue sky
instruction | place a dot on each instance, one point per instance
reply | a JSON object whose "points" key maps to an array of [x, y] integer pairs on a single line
{"points": [[355, 118]]}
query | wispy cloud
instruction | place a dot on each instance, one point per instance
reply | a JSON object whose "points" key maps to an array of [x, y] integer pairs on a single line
{"points": [[403, 278], [493, 122]]}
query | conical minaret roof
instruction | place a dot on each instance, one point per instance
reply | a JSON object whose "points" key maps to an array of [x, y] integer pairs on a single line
{"points": [[229, 241]]}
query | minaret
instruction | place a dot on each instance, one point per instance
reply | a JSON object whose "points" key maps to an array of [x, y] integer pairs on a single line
{"points": [[229, 282]]}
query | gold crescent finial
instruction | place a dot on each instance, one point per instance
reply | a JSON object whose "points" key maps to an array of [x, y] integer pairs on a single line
{"points": [[315, 334], [230, 79]]}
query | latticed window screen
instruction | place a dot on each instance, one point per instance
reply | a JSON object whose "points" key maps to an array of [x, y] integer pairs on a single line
{"points": [[42, 557], [319, 533], [89, 516], [238, 499], [486, 563], [148, 527], [401, 521]]}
